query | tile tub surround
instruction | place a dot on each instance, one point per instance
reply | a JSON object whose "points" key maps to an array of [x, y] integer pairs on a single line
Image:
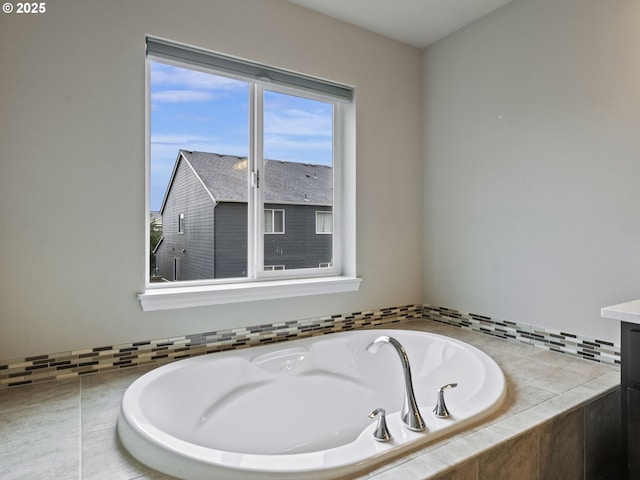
{"points": [[66, 429], [59, 366]]}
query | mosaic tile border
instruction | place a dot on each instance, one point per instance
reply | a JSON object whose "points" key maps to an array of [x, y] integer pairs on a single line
{"points": [[63, 365], [556, 341], [58, 366]]}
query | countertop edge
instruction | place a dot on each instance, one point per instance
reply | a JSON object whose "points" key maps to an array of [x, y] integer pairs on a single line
{"points": [[625, 312]]}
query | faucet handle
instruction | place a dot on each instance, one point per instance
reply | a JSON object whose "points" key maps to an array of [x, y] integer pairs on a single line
{"points": [[440, 410], [381, 433]]}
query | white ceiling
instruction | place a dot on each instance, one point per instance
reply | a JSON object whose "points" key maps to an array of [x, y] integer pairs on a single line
{"points": [[414, 22]]}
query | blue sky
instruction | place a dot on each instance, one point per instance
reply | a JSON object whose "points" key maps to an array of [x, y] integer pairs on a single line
{"points": [[200, 111]]}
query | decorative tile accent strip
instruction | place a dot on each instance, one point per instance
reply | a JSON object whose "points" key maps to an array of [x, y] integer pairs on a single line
{"points": [[553, 340], [41, 368]]}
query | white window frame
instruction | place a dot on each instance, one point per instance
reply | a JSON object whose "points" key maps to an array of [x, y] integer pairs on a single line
{"points": [[263, 284]]}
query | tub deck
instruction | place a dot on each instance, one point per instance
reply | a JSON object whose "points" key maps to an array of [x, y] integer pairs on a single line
{"points": [[66, 429]]}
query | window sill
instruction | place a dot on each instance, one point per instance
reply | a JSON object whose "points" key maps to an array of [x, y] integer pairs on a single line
{"points": [[184, 297]]}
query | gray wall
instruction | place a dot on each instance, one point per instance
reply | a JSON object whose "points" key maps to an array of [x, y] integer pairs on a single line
{"points": [[194, 246], [532, 161], [230, 240], [72, 163]]}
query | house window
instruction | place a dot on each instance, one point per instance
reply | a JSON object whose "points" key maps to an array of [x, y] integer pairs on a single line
{"points": [[233, 143], [181, 223], [324, 223], [176, 269], [273, 221], [273, 268]]}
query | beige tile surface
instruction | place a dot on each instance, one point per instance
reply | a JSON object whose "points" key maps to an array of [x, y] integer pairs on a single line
{"points": [[467, 471], [100, 405], [40, 432], [516, 460], [602, 433], [562, 447]]}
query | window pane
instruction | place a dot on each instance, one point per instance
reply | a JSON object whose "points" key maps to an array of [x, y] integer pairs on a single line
{"points": [[181, 223], [278, 221], [268, 221], [298, 178], [199, 171], [324, 222]]}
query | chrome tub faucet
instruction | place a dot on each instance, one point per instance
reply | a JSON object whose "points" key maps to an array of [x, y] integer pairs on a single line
{"points": [[410, 413]]}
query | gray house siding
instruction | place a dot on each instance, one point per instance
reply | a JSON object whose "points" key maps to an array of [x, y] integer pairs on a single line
{"points": [[194, 248], [231, 240], [214, 240], [299, 246]]}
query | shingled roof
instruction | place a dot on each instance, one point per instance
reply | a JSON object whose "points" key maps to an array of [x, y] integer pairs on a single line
{"points": [[225, 176]]}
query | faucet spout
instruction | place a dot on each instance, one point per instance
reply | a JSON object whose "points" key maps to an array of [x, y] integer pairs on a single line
{"points": [[410, 413]]}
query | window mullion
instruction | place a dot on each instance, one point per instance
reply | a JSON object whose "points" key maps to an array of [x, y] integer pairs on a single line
{"points": [[256, 183]]}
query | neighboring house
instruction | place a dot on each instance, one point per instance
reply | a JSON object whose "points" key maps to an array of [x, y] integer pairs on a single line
{"points": [[204, 217]]}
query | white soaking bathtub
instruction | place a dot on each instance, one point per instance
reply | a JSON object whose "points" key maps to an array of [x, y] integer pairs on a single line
{"points": [[300, 409]]}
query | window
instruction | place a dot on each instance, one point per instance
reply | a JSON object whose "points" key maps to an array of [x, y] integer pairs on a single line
{"points": [[273, 221], [324, 223], [274, 267], [176, 269], [181, 223], [235, 144]]}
